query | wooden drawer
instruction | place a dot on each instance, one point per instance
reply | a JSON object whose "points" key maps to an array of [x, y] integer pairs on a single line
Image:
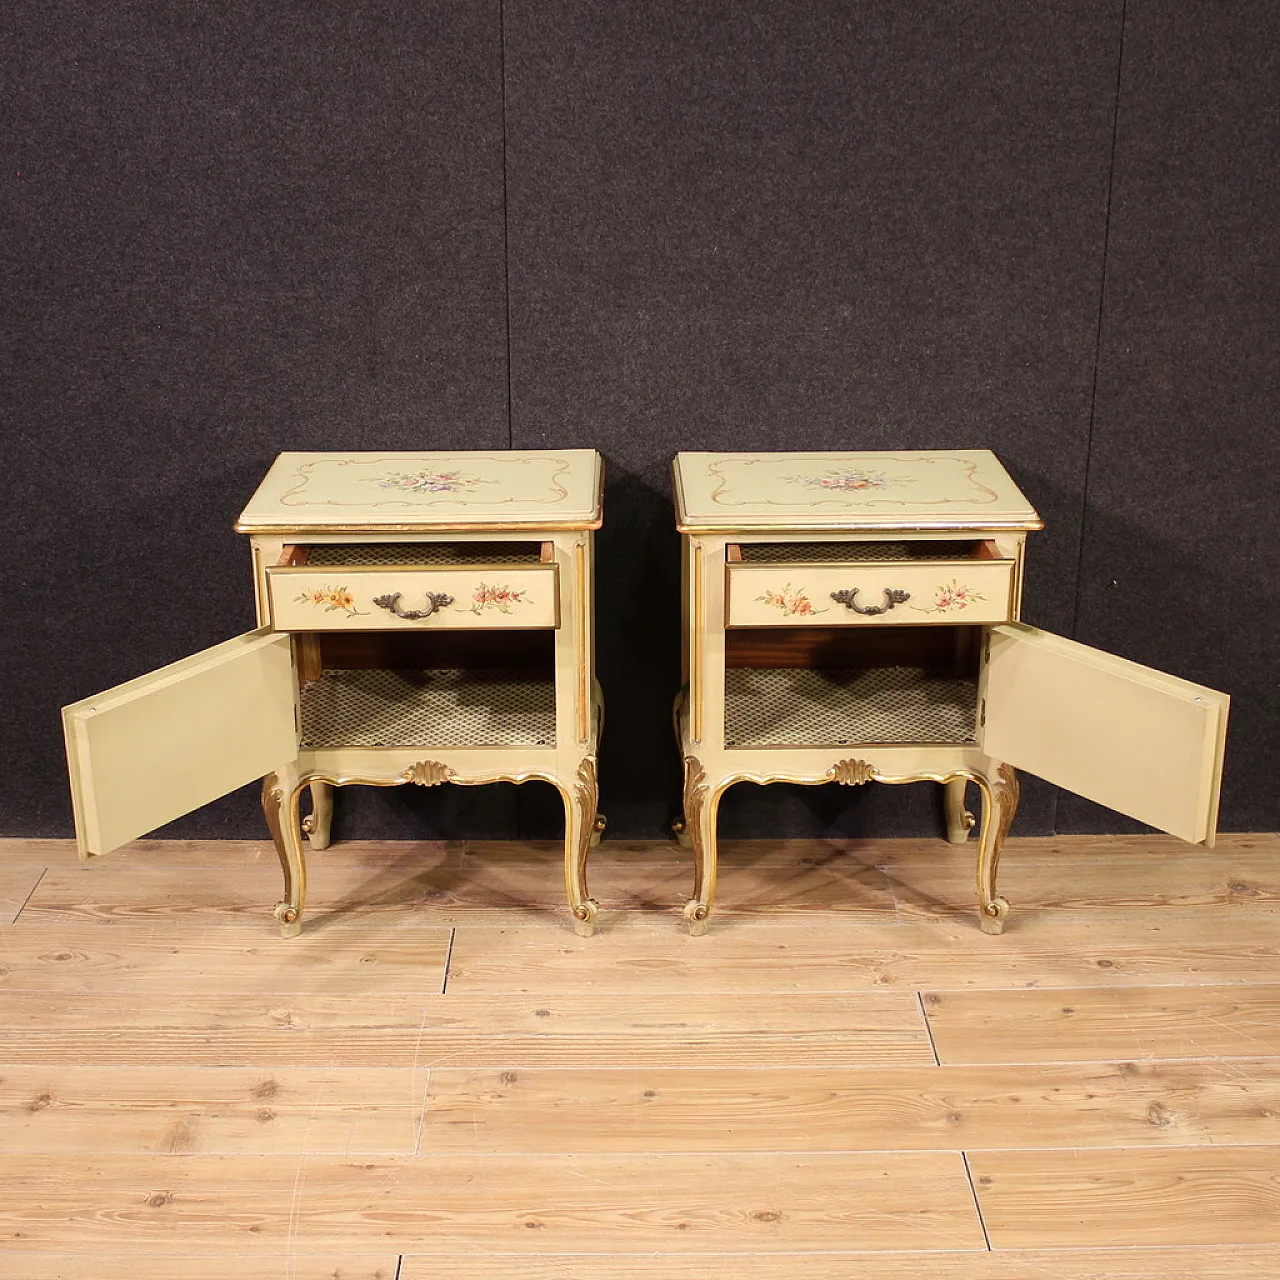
{"points": [[973, 586], [414, 587]]}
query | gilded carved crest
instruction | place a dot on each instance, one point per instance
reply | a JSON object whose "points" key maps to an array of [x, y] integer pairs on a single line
{"points": [[427, 773], [851, 773]]}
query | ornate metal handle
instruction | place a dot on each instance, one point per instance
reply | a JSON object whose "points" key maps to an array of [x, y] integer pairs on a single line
{"points": [[435, 600], [892, 596]]}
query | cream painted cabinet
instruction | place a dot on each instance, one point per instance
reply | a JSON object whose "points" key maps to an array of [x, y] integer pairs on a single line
{"points": [[425, 618], [853, 618]]}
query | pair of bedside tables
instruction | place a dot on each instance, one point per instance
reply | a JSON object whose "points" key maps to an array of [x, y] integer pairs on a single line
{"points": [[848, 617]]}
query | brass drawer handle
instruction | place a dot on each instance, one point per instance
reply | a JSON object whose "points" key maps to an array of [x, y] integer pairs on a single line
{"points": [[435, 600], [892, 596]]}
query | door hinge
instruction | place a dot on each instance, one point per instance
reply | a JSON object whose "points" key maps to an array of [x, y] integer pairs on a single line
{"points": [[982, 715]]}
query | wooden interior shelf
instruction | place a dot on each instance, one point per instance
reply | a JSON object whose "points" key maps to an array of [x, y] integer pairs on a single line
{"points": [[799, 707], [377, 707]]}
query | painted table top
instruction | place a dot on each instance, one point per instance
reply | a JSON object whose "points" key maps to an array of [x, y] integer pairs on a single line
{"points": [[904, 489], [548, 490]]}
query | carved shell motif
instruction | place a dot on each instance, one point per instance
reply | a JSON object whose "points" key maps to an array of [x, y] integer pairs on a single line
{"points": [[427, 773], [852, 773]]}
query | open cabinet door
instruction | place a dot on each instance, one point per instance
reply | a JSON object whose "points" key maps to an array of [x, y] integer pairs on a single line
{"points": [[1145, 744], [148, 751]]}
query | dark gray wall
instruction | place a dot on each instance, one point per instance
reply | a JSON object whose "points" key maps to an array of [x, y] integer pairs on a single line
{"points": [[231, 230]]}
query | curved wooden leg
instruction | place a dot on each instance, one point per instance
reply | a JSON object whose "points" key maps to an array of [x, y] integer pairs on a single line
{"points": [[701, 802], [679, 825], [281, 803], [579, 828], [999, 804], [318, 822], [959, 820]]}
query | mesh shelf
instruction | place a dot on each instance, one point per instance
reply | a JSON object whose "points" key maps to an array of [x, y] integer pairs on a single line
{"points": [[437, 708], [464, 554], [801, 707], [846, 552]]}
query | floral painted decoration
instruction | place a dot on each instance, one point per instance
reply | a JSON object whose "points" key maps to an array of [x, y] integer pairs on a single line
{"points": [[792, 603], [429, 481], [331, 598], [952, 598], [844, 480], [500, 598]]}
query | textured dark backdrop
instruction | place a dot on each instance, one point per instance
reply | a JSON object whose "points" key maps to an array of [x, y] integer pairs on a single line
{"points": [[235, 229]]}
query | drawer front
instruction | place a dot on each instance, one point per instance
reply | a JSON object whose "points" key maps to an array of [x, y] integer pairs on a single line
{"points": [[387, 598], [870, 593]]}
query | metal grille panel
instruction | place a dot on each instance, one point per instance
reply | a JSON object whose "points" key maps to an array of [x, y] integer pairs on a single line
{"points": [[851, 552], [798, 707], [436, 708], [464, 554]]}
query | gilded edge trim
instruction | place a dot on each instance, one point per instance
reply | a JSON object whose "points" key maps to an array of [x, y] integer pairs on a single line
{"points": [[779, 532], [288, 529], [580, 620], [427, 773], [261, 597], [699, 623]]}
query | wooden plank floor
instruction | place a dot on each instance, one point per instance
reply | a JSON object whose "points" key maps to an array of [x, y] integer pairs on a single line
{"points": [[844, 1077]]}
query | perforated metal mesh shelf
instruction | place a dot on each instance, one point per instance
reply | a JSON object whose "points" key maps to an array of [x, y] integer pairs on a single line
{"points": [[436, 708], [846, 552], [798, 707], [464, 554]]}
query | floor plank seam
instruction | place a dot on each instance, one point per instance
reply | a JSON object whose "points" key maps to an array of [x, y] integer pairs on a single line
{"points": [[448, 956], [44, 872], [977, 1205], [924, 1017]]}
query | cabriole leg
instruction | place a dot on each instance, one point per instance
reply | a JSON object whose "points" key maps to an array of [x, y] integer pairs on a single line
{"points": [[318, 822], [999, 804], [281, 804], [959, 820], [700, 804], [579, 829]]}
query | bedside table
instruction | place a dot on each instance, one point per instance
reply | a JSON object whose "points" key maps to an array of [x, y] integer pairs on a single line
{"points": [[853, 618], [423, 618]]}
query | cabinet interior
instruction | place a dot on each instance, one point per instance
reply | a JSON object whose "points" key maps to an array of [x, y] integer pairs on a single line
{"points": [[444, 688], [841, 686]]}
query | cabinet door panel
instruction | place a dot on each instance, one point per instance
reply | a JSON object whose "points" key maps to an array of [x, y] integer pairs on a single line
{"points": [[1143, 743], [148, 751]]}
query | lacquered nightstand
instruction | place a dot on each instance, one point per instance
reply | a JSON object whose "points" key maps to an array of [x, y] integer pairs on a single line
{"points": [[423, 618], [853, 618]]}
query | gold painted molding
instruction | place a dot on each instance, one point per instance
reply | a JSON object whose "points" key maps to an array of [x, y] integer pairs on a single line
{"points": [[580, 615], [699, 627]]}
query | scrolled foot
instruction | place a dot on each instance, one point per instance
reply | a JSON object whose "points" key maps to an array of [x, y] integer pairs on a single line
{"points": [[959, 833], [683, 838], [993, 916], [597, 831], [695, 913], [584, 918], [290, 919]]}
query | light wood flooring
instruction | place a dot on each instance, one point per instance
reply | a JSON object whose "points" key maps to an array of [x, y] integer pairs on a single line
{"points": [[844, 1078]]}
